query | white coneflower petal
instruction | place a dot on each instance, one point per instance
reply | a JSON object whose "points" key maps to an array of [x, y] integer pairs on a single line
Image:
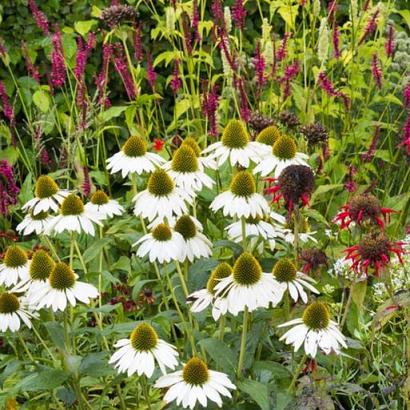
{"points": [[134, 158], [103, 207], [13, 311], [139, 353], [314, 330], [34, 223], [15, 266], [48, 196], [195, 383]]}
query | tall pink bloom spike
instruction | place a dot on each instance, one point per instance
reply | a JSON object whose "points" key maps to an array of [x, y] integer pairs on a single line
{"points": [[58, 72], [376, 71], [39, 17], [239, 14]]}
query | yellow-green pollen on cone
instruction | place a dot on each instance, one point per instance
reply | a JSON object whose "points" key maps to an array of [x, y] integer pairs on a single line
{"points": [[186, 227], [9, 303], [135, 147], [223, 270], [39, 217], [15, 257], [284, 148], [72, 205], [185, 160], [284, 270], [160, 183], [41, 265], [144, 337], [195, 372], [243, 184], [192, 143], [235, 135], [99, 198], [269, 135], [247, 270], [162, 233], [316, 316], [45, 187], [62, 277]]}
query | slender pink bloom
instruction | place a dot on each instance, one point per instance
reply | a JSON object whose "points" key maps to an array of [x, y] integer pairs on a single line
{"points": [[44, 157], [331, 10], [370, 27], [336, 41], [376, 71], [176, 82], [195, 20], [291, 71], [31, 68], [8, 110], [187, 30], [325, 84], [8, 187], [151, 74], [138, 52], [350, 185], [209, 107], [39, 17], [389, 45], [121, 66], [101, 79], [406, 95], [86, 185], [239, 14], [406, 135], [368, 156], [259, 63], [282, 50], [58, 73]]}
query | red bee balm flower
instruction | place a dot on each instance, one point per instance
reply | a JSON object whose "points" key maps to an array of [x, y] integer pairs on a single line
{"points": [[363, 208], [158, 144], [373, 251]]}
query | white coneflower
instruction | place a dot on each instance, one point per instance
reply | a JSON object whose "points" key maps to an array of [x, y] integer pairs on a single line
{"points": [[103, 206], [197, 245], [282, 154], [289, 279], [134, 158], [287, 228], [184, 170], [269, 135], [248, 286], [255, 228], [48, 196], [13, 310], [314, 330], [74, 217], [61, 289], [138, 353], [195, 383], [40, 269], [163, 245], [241, 200], [236, 146], [15, 266], [202, 298], [162, 199], [203, 162], [34, 223]]}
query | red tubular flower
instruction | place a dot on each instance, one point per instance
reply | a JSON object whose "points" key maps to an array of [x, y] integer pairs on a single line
{"points": [[121, 66], [326, 85], [373, 251], [290, 73], [295, 185], [158, 144], [209, 105], [102, 78], [363, 208]]}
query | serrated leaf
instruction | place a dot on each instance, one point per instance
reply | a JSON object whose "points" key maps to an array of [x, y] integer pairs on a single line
{"points": [[45, 380], [257, 391]]}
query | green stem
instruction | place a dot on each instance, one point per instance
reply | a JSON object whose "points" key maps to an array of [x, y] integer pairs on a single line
{"points": [[25, 346], [243, 228], [243, 342], [51, 246], [347, 307], [221, 328], [145, 389], [296, 374], [80, 256], [181, 278], [36, 332]]}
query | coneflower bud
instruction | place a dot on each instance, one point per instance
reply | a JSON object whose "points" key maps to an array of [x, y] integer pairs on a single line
{"points": [[58, 73], [314, 134], [389, 44], [39, 17], [118, 14], [288, 119], [376, 71], [239, 14]]}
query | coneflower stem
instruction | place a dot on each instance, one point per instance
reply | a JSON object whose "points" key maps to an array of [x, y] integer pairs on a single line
{"points": [[243, 228], [51, 246], [221, 328], [25, 346], [296, 374], [182, 279], [347, 307], [145, 389], [43, 342], [296, 231], [80, 256], [243, 342]]}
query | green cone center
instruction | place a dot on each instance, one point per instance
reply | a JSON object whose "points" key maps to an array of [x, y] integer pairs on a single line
{"points": [[185, 160], [62, 277], [243, 184], [41, 265], [247, 270], [15, 257], [268, 135], [284, 270], [45, 187], [72, 205], [316, 316], [99, 198], [8, 303], [235, 135], [162, 233], [160, 183], [284, 148], [186, 227], [144, 337], [191, 142], [135, 147], [195, 372], [223, 270]]}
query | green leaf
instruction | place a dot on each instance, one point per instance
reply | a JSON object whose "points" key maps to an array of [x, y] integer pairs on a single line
{"points": [[95, 365], [391, 308], [220, 353], [83, 27], [69, 46], [97, 246], [277, 370], [45, 380], [42, 100], [56, 332], [257, 391], [359, 292], [112, 112], [11, 154], [182, 106], [322, 189]]}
